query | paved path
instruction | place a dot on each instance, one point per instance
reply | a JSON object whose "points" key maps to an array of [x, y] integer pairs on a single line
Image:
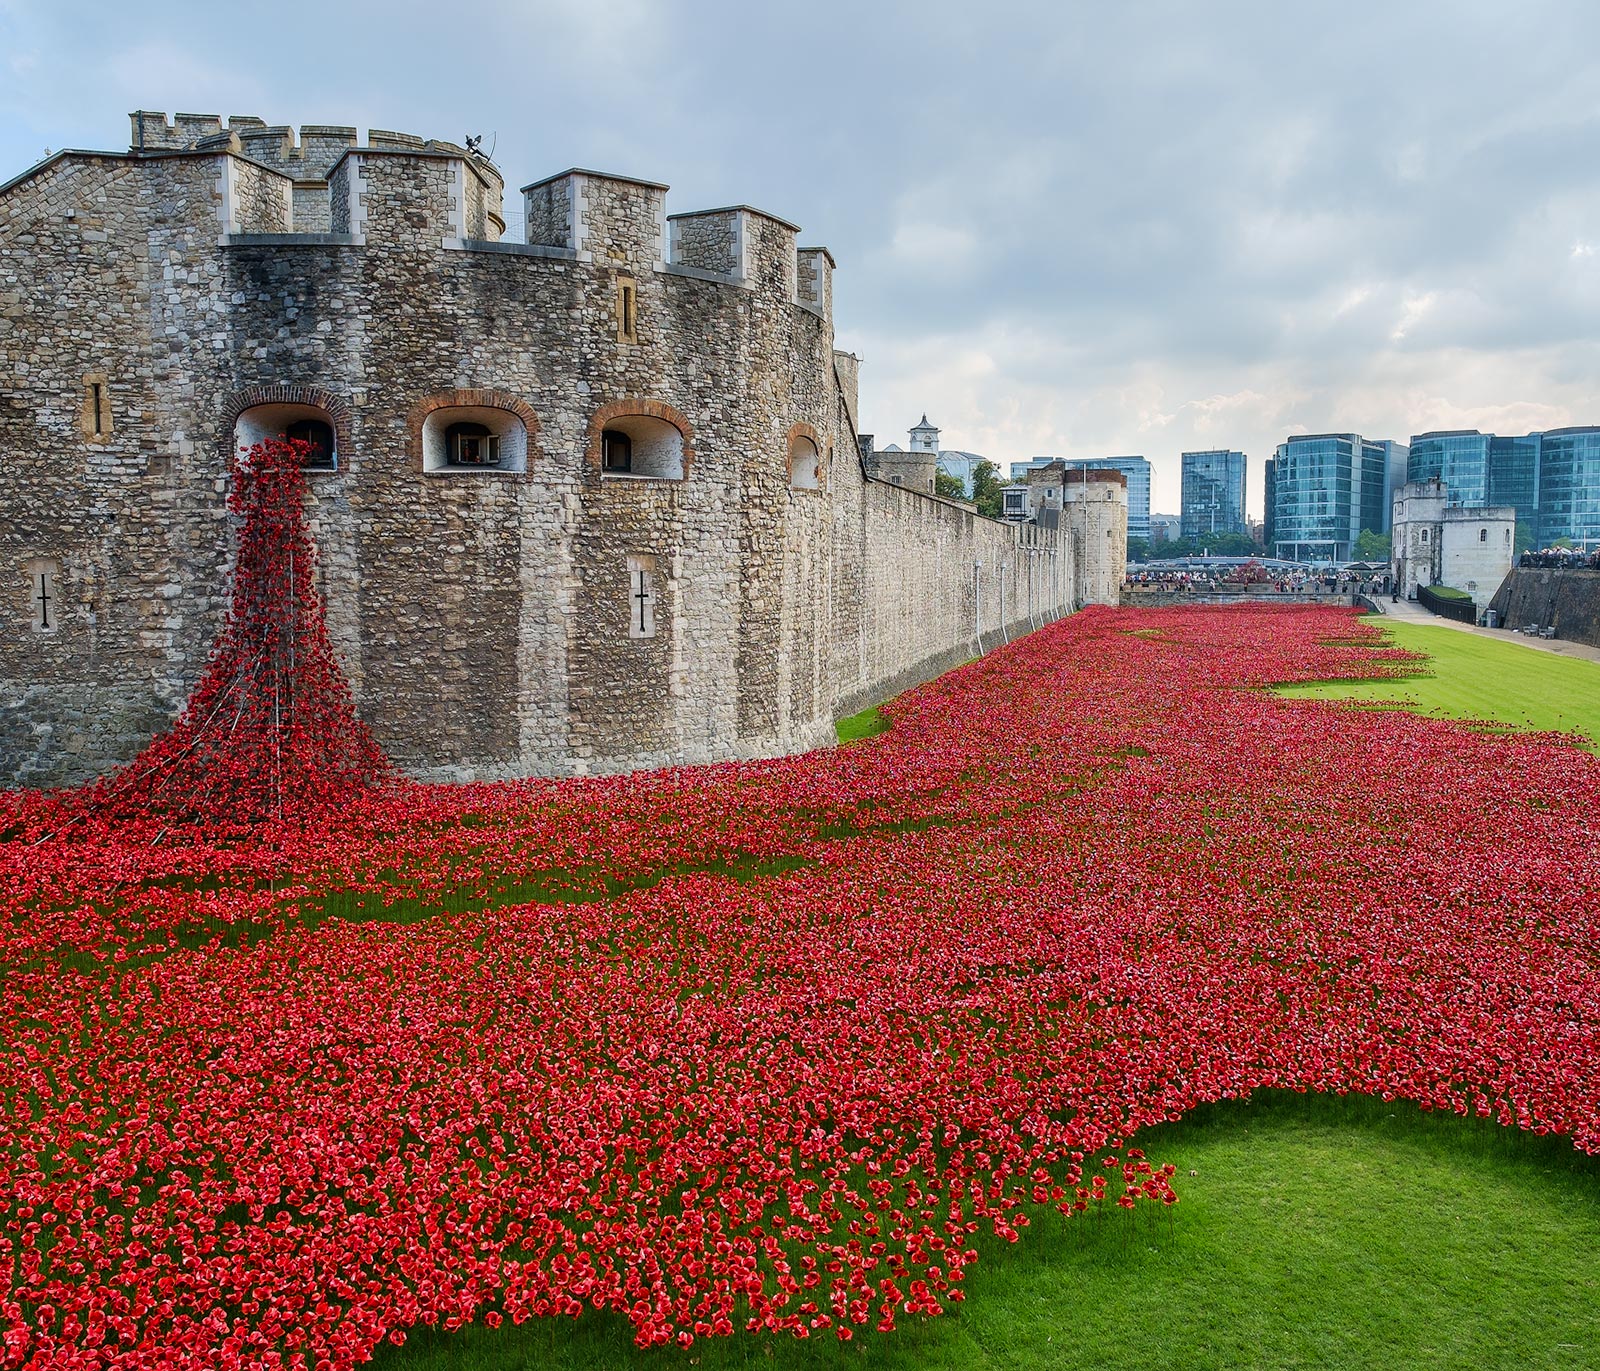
{"points": [[1409, 611]]}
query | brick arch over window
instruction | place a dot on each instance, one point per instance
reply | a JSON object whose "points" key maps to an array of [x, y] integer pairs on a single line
{"points": [[334, 406], [650, 409], [810, 434], [468, 399]]}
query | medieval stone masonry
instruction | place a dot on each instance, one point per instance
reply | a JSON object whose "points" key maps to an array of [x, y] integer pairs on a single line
{"points": [[585, 503]]}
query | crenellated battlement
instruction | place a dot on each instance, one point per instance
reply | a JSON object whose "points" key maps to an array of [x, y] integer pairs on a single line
{"points": [[603, 217], [308, 153], [324, 183]]}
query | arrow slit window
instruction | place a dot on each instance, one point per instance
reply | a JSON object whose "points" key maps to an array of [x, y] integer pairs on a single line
{"points": [[44, 596], [641, 596]]}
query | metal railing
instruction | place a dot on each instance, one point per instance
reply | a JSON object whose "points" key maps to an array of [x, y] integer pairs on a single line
{"points": [[1447, 607]]}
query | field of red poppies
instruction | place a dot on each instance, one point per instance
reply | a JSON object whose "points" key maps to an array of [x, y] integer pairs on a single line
{"points": [[1079, 887], [764, 1046]]}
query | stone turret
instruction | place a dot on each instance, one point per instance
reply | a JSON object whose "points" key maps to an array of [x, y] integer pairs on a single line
{"points": [[1095, 512]]}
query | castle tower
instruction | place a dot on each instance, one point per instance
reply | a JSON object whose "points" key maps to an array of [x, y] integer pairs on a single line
{"points": [[1095, 511]]}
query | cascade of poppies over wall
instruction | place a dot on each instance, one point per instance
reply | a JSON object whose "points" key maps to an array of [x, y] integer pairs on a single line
{"points": [[270, 732]]}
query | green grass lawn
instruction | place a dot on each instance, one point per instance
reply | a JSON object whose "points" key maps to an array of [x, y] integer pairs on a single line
{"points": [[1472, 676], [1313, 1232], [866, 724]]}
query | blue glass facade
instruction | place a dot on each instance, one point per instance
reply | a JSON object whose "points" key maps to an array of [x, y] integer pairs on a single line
{"points": [[1459, 458], [1213, 493], [1514, 480], [1327, 488], [1569, 486]]}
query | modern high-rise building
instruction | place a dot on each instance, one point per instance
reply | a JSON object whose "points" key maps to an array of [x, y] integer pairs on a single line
{"points": [[1396, 456], [1327, 488], [1514, 480], [1269, 496], [1213, 493], [1459, 458], [1551, 479], [1569, 486]]}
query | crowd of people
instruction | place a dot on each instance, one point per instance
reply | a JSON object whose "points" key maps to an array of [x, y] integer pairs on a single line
{"points": [[1561, 559], [1298, 582]]}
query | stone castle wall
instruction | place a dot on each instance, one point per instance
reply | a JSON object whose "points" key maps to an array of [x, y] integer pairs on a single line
{"points": [[484, 616], [1568, 601], [913, 614]]}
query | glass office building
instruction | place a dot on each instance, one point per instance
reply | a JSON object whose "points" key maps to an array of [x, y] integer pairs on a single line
{"points": [[1514, 480], [1569, 487], [1213, 493], [1459, 458], [1327, 489], [1269, 501]]}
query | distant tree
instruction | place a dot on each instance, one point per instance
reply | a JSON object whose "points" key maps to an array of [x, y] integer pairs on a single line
{"points": [[1138, 549], [1524, 537], [1562, 542], [986, 489], [1373, 547], [949, 486], [1215, 544]]}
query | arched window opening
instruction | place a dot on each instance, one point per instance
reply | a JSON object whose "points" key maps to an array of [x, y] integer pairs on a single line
{"points": [[640, 445], [1483, 535], [295, 423], [474, 438], [805, 464]]}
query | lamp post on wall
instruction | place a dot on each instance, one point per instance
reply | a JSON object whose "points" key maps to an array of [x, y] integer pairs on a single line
{"points": [[977, 604]]}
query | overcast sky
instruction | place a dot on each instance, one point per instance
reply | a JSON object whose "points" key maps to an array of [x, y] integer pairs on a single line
{"points": [[1074, 229]]}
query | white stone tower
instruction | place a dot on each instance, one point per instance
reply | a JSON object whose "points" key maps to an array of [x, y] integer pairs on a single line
{"points": [[925, 437]]}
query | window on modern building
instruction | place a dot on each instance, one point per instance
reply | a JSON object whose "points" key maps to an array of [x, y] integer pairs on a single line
{"points": [[317, 435], [640, 445], [805, 464], [474, 438], [305, 423], [627, 310]]}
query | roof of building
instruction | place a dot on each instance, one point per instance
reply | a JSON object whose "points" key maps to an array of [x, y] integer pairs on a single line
{"points": [[599, 176], [727, 209]]}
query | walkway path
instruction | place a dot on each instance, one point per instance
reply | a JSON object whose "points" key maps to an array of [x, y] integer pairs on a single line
{"points": [[1413, 613]]}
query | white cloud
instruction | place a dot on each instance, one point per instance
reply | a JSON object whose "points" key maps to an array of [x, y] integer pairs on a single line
{"points": [[1413, 310]]}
